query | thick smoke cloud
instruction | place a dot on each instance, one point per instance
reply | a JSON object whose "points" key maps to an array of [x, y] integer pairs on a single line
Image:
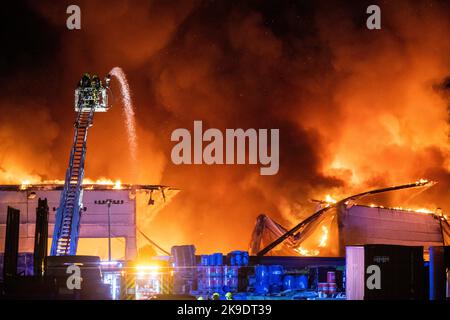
{"points": [[356, 109]]}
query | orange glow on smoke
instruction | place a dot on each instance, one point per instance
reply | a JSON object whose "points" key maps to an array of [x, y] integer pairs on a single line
{"points": [[356, 110]]}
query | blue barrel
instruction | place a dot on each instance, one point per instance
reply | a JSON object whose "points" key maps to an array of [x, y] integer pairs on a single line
{"points": [[204, 260], [230, 260], [230, 278], [236, 258], [216, 277], [301, 282], [275, 278], [244, 258], [289, 283], [201, 280], [218, 259], [208, 286], [261, 279]]}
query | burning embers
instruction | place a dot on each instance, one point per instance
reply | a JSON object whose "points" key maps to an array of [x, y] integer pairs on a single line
{"points": [[88, 184], [117, 185]]}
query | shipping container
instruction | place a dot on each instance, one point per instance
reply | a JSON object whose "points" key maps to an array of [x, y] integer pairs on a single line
{"points": [[385, 272]]}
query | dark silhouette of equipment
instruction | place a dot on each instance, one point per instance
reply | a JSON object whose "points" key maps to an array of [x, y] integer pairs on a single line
{"points": [[40, 236], [11, 244]]}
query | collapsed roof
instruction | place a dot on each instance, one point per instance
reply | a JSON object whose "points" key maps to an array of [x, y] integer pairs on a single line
{"points": [[328, 231]]}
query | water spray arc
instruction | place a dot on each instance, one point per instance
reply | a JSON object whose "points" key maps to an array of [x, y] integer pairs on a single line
{"points": [[128, 110]]}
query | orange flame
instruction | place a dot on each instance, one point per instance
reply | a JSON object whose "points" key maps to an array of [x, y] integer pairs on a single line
{"points": [[322, 244]]}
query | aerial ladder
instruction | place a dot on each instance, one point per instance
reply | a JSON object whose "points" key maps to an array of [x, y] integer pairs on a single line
{"points": [[90, 97]]}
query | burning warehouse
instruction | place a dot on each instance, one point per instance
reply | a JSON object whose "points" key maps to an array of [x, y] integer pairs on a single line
{"points": [[336, 225], [130, 205], [354, 225]]}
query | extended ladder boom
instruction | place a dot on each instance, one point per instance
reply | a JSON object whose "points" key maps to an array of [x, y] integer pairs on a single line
{"points": [[90, 97]]}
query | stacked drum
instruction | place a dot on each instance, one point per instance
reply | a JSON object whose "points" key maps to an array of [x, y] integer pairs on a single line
{"points": [[214, 276], [328, 288]]}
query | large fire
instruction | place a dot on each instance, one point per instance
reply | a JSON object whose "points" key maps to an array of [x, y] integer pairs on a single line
{"points": [[320, 241], [329, 199], [356, 109], [87, 183], [315, 251]]}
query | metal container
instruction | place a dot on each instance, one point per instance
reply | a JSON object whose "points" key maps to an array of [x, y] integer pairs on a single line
{"points": [[184, 262], [204, 260], [289, 283], [218, 259], [331, 277], [301, 282], [332, 288], [322, 287], [208, 283], [261, 279], [215, 259], [24, 264], [230, 278], [385, 272], [275, 278], [235, 258], [201, 278], [238, 258], [245, 258], [217, 279]]}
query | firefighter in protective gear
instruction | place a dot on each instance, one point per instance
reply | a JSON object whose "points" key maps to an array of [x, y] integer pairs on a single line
{"points": [[228, 296], [216, 296], [85, 81], [96, 82]]}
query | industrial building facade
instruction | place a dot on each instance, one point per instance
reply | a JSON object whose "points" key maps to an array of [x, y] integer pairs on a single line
{"points": [[94, 232]]}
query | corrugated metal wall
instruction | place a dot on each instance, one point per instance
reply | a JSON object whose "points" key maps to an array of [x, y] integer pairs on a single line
{"points": [[94, 221], [366, 225]]}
